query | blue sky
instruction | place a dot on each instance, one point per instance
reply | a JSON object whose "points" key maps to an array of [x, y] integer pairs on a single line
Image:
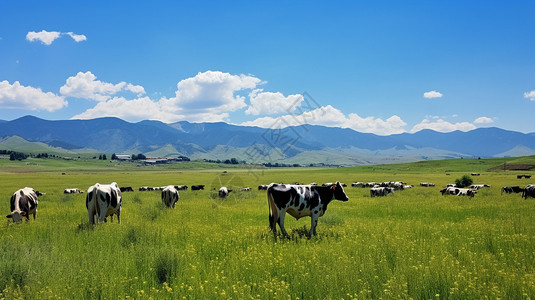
{"points": [[383, 67]]}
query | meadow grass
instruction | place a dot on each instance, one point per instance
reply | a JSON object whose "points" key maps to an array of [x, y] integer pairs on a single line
{"points": [[414, 244]]}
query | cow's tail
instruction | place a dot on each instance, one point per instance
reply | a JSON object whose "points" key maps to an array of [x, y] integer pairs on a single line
{"points": [[272, 210]]}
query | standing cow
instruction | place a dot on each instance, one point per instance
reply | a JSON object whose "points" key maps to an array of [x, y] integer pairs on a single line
{"points": [[23, 203], [103, 200], [300, 201], [170, 196], [223, 192]]}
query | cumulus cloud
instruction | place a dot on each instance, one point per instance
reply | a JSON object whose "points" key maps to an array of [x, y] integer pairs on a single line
{"points": [[206, 97], [268, 103], [85, 85], [48, 37], [432, 94], [483, 120], [530, 95], [333, 117], [17, 96], [442, 126]]}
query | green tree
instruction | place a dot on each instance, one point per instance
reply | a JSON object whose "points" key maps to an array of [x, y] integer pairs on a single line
{"points": [[464, 181]]}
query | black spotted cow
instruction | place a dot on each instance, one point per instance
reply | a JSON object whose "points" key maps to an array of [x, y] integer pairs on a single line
{"points": [[126, 189], [23, 203], [170, 196], [103, 200], [529, 191], [512, 189], [223, 192], [381, 191], [72, 191], [300, 201], [197, 187]]}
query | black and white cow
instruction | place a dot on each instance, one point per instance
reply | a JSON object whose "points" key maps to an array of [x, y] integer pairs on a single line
{"points": [[126, 189], [479, 186], [263, 187], [103, 200], [223, 192], [170, 196], [529, 191], [181, 187], [300, 201], [512, 189], [245, 189], [381, 191], [23, 203], [197, 187], [73, 191]]}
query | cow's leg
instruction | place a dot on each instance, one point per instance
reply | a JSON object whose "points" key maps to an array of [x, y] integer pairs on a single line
{"points": [[280, 220], [313, 224], [34, 213], [119, 215]]}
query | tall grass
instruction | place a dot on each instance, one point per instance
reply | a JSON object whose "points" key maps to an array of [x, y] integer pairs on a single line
{"points": [[413, 244]]}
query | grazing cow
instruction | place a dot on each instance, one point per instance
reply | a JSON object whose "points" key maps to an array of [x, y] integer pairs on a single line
{"points": [[126, 189], [72, 191], [223, 192], [475, 174], [262, 187], [145, 188], [458, 191], [245, 189], [181, 187], [466, 192], [512, 189], [478, 186], [357, 184], [170, 196], [300, 201], [103, 200], [197, 187], [529, 191], [22, 204], [408, 186], [381, 191], [427, 184]]}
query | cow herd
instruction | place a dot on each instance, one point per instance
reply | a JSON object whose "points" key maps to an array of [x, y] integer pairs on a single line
{"points": [[105, 200]]}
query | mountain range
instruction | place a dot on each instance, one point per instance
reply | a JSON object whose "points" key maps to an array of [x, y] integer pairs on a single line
{"points": [[305, 144]]}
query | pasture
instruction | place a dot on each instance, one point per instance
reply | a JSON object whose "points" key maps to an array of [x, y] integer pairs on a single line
{"points": [[414, 244]]}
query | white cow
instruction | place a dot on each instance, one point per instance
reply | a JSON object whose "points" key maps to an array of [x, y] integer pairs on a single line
{"points": [[23, 203], [170, 196], [103, 200]]}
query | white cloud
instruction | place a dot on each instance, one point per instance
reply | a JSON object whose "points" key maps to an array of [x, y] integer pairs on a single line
{"points": [[442, 126], [46, 37], [332, 117], [483, 120], [85, 85], [212, 91], [432, 94], [76, 37], [18, 96], [206, 97], [530, 95], [268, 103]]}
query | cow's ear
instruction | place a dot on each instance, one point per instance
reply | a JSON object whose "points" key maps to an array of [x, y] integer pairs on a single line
{"points": [[9, 216]]}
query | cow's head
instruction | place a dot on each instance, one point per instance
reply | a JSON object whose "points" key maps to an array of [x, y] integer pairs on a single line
{"points": [[339, 193], [16, 215]]}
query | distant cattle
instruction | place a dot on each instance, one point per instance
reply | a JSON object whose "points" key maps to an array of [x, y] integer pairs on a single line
{"points": [[245, 189], [512, 189], [381, 191], [427, 184], [223, 192], [479, 186], [357, 184], [126, 189], [72, 191], [197, 187], [103, 200], [529, 191], [300, 201], [467, 192], [458, 191], [520, 176], [181, 187], [23, 203], [145, 188], [262, 187], [475, 174], [408, 186], [170, 196]]}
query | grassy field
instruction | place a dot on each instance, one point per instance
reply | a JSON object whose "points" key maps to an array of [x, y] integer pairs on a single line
{"points": [[413, 244]]}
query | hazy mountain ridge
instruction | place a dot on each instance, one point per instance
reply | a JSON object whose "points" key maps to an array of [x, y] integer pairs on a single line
{"points": [[300, 144]]}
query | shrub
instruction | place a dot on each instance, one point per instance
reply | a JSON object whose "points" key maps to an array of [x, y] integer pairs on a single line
{"points": [[464, 181]]}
